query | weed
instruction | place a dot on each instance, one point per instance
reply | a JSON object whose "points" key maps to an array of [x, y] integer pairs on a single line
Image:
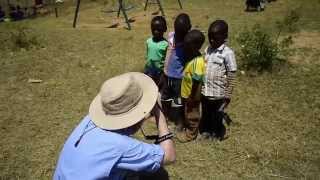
{"points": [[289, 23], [22, 37], [260, 52]]}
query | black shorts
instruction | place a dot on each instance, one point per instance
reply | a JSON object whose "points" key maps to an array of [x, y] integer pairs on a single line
{"points": [[171, 89], [155, 74]]}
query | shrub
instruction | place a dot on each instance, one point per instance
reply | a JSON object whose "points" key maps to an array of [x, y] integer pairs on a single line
{"points": [[260, 51], [22, 37], [289, 23]]}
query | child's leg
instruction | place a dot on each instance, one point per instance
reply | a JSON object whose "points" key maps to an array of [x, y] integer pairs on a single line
{"points": [[177, 113], [192, 120], [166, 96], [153, 74], [157, 75], [217, 118], [204, 126], [162, 81], [177, 109]]}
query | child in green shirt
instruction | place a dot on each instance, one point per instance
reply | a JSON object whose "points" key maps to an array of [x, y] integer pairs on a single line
{"points": [[156, 49]]}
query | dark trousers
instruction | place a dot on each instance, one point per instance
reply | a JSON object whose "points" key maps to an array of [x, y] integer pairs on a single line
{"points": [[171, 88], [212, 119], [171, 100], [155, 74]]}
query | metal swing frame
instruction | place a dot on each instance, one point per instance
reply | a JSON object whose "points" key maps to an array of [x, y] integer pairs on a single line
{"points": [[120, 9], [123, 10], [160, 6]]}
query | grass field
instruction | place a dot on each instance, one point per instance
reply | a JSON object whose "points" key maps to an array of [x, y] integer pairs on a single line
{"points": [[275, 132]]}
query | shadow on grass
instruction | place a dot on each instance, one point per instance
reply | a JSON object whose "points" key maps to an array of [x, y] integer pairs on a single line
{"points": [[161, 174]]}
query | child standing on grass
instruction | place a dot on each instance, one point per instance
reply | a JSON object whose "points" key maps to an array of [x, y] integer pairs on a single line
{"points": [[156, 49], [173, 70], [191, 84], [218, 82]]}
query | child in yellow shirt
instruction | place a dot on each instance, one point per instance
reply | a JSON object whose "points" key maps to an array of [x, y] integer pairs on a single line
{"points": [[191, 84]]}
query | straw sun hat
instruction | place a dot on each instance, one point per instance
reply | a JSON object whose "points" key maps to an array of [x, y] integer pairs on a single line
{"points": [[123, 101]]}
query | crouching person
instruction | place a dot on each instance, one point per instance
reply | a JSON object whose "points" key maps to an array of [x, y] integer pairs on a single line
{"points": [[101, 146]]}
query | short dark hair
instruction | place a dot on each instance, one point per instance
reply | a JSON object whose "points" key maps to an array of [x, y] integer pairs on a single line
{"points": [[218, 27], [159, 21], [182, 25], [194, 39], [193, 42]]}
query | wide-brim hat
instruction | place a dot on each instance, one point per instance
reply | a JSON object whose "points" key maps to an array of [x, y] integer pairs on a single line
{"points": [[123, 101]]}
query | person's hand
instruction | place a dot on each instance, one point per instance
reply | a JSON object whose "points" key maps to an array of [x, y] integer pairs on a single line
{"points": [[224, 105], [226, 102]]}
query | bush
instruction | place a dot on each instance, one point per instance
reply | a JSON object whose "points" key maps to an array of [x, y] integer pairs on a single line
{"points": [[22, 37], [260, 51], [289, 23]]}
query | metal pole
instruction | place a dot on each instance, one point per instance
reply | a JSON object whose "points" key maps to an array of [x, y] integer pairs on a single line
{"points": [[118, 14], [56, 11], [8, 8], [55, 7], [180, 4], [76, 14], [146, 5], [160, 7], [121, 7]]}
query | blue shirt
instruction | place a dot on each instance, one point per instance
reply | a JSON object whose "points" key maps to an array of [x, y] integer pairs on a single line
{"points": [[102, 154], [175, 60]]}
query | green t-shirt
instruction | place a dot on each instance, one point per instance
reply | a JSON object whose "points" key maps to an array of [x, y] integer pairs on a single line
{"points": [[156, 53]]}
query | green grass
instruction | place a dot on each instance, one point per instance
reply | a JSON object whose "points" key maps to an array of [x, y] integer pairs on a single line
{"points": [[276, 116]]}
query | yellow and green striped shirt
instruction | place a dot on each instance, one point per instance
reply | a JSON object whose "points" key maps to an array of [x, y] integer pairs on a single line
{"points": [[194, 71]]}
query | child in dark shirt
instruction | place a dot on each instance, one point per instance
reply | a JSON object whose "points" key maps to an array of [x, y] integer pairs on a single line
{"points": [[173, 70]]}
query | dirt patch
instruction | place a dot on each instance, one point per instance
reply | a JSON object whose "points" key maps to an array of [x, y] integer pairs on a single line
{"points": [[306, 48], [307, 40]]}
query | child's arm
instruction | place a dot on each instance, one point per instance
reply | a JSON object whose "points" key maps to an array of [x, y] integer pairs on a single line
{"points": [[191, 99], [231, 67], [163, 51], [231, 79], [198, 71], [168, 52], [195, 88], [146, 54], [196, 84]]}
